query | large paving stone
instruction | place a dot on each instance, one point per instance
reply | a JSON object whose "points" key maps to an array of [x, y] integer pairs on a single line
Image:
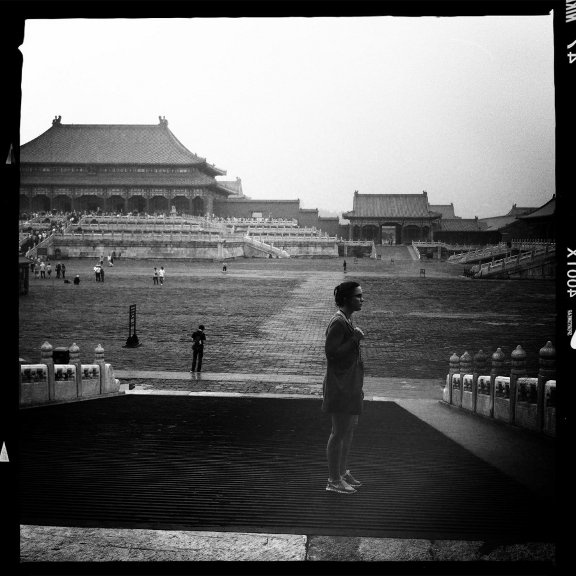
{"points": [[61, 544]]}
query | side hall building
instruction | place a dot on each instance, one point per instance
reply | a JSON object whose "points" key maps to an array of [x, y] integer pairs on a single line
{"points": [[392, 218]]}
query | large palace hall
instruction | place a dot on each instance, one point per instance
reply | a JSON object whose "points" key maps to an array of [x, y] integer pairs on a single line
{"points": [[116, 168]]}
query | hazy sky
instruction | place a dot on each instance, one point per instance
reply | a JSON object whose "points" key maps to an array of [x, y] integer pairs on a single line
{"points": [[315, 108]]}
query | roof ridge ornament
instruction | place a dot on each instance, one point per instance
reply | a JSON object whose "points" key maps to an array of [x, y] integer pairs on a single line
{"points": [[57, 121], [163, 121]]}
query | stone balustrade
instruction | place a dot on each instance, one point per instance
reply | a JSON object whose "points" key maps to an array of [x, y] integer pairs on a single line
{"points": [[515, 398], [48, 382], [510, 263], [483, 252]]}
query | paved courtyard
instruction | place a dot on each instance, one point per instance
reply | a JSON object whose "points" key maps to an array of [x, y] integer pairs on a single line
{"points": [[265, 322], [269, 316]]}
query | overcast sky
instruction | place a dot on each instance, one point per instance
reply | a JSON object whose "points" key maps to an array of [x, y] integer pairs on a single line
{"points": [[316, 108]]}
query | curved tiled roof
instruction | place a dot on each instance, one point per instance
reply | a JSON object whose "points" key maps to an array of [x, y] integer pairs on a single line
{"points": [[462, 225], [390, 206], [497, 222], [544, 211], [233, 185], [519, 211], [446, 210], [109, 144]]}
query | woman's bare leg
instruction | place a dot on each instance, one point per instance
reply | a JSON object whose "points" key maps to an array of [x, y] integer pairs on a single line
{"points": [[335, 450]]}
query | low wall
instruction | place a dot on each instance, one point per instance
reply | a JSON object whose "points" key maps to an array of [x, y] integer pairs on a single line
{"points": [[131, 248], [310, 249], [94, 246], [49, 383], [517, 399]]}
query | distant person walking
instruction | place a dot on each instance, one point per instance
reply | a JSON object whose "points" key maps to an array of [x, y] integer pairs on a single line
{"points": [[342, 387], [42, 270], [97, 271], [155, 276], [198, 348], [49, 269], [64, 271], [161, 275], [58, 270], [344, 265]]}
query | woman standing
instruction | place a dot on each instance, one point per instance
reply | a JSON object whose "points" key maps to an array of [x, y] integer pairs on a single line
{"points": [[342, 387]]}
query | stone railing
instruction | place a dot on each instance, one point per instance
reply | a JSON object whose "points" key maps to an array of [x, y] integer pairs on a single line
{"points": [[515, 398], [357, 242], [91, 235], [461, 248], [480, 253], [512, 263], [46, 243], [530, 243], [290, 232], [268, 248], [48, 382]]}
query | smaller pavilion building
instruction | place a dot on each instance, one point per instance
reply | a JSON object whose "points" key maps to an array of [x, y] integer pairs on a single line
{"points": [[392, 218]]}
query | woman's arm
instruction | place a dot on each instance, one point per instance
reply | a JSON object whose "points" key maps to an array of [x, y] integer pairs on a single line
{"points": [[339, 341]]}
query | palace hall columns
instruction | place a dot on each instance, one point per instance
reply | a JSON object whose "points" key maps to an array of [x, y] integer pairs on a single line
{"points": [[209, 205]]}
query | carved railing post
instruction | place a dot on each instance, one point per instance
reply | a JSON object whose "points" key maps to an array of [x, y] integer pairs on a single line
{"points": [[74, 351], [466, 363], [46, 353], [480, 361], [546, 372], [465, 368], [497, 370], [20, 383], [99, 360], [518, 370], [454, 369]]}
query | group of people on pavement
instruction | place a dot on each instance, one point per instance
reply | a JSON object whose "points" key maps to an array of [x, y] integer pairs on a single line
{"points": [[99, 267], [43, 270], [99, 272], [158, 275]]}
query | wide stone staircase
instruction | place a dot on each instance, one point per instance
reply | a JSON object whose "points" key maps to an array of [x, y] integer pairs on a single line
{"points": [[395, 252]]}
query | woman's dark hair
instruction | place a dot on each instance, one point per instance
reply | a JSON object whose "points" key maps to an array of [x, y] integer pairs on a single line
{"points": [[343, 291]]}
